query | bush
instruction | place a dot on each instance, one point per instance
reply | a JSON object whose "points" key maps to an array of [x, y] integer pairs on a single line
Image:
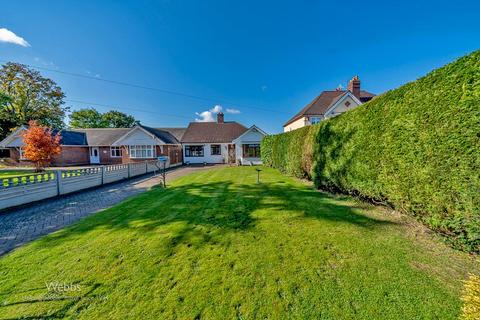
{"points": [[416, 148]]}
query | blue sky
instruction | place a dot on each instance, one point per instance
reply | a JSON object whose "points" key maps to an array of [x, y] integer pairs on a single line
{"points": [[266, 59]]}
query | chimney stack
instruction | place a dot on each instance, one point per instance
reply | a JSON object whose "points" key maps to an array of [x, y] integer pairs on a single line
{"points": [[220, 117], [354, 86]]}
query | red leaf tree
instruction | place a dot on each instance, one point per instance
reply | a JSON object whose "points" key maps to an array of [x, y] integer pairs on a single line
{"points": [[40, 145]]}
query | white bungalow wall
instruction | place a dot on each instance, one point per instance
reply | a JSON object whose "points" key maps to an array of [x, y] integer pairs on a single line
{"points": [[207, 153], [251, 137]]}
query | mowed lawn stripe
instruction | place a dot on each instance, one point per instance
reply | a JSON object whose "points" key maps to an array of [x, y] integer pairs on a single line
{"points": [[217, 245]]}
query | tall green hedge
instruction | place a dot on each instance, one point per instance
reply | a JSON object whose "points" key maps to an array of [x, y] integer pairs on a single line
{"points": [[416, 148]]}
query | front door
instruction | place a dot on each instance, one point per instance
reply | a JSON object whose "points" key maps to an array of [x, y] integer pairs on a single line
{"points": [[94, 155]]}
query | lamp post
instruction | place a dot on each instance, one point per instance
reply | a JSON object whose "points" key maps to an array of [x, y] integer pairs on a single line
{"points": [[258, 175]]}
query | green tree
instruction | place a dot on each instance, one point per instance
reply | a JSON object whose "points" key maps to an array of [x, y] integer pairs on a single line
{"points": [[5, 123], [86, 118], [117, 119], [91, 118], [30, 97]]}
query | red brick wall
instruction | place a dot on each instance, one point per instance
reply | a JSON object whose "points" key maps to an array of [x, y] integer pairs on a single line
{"points": [[172, 151], [106, 158], [81, 155], [15, 155], [71, 156]]}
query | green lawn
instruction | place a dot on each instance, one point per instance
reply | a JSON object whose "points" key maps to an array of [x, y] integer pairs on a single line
{"points": [[14, 173], [216, 245]]}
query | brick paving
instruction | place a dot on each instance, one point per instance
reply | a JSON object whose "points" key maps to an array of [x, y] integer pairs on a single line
{"points": [[21, 225]]}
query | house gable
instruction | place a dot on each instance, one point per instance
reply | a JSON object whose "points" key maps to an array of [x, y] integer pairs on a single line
{"points": [[14, 139], [253, 135], [138, 136], [346, 102]]}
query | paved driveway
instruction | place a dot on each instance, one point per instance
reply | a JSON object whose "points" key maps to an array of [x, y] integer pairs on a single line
{"points": [[18, 226]]}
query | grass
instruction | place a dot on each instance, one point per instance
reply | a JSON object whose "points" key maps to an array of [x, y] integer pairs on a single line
{"points": [[216, 245], [14, 173]]}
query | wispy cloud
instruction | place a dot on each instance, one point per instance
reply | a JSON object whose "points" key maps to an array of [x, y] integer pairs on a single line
{"points": [[232, 111], [10, 37], [264, 88], [96, 75], [44, 62]]}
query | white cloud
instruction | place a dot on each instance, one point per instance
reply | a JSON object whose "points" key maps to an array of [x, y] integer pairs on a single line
{"points": [[205, 116], [10, 37], [216, 109], [208, 116], [233, 111]]}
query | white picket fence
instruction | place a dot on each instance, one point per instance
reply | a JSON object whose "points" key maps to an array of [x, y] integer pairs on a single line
{"points": [[15, 191]]}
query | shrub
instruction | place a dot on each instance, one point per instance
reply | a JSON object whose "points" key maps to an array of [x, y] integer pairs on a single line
{"points": [[416, 147]]}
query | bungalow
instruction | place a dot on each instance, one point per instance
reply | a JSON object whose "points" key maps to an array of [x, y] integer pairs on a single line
{"points": [[329, 104], [200, 142], [222, 142], [106, 145]]}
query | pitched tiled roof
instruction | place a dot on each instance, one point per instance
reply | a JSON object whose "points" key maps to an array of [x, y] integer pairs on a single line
{"points": [[212, 132], [167, 135], [107, 136], [176, 132], [71, 138], [102, 136], [324, 101], [68, 138]]}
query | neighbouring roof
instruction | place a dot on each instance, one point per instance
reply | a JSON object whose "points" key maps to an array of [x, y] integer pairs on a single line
{"points": [[167, 135], [107, 136], [68, 137], [212, 132], [176, 132], [102, 136], [324, 101], [71, 138]]}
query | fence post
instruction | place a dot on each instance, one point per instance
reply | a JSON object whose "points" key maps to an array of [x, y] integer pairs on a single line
{"points": [[59, 182], [103, 174], [146, 166], [129, 169]]}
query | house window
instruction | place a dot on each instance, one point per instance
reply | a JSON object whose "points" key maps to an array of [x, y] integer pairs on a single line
{"points": [[142, 151], [315, 120], [115, 152], [193, 151], [22, 154], [216, 151], [251, 150]]}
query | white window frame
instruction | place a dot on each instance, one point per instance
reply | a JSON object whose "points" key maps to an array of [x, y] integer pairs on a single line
{"points": [[197, 154], [115, 148], [315, 120], [136, 151], [219, 150]]}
